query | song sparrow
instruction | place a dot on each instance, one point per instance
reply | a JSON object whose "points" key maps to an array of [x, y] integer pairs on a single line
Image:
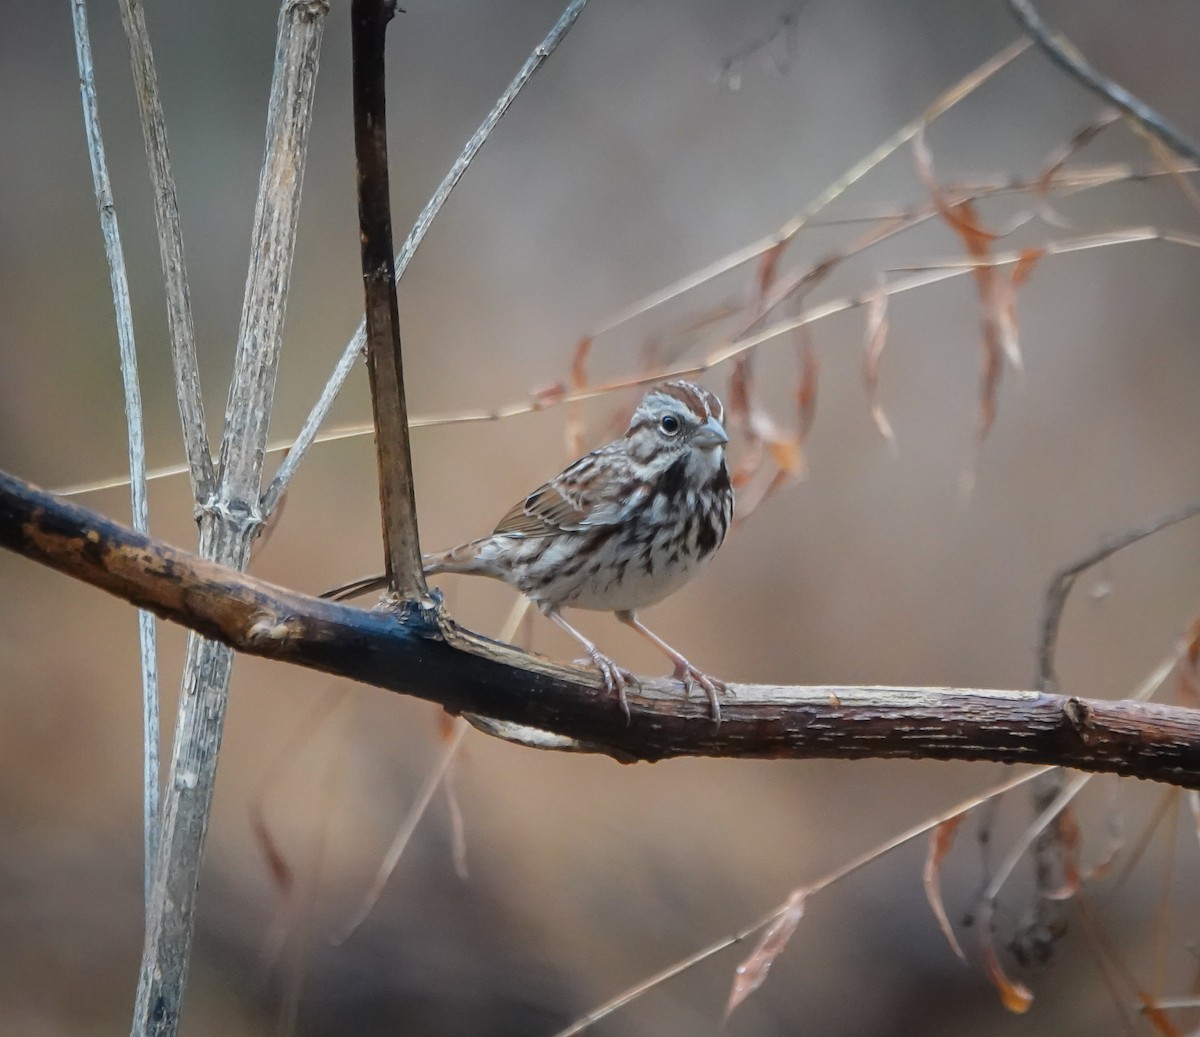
{"points": [[622, 527]]}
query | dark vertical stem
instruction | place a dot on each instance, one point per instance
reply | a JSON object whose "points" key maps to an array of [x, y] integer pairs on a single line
{"points": [[369, 20]]}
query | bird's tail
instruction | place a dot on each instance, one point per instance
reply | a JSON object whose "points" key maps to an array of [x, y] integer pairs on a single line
{"points": [[363, 585], [461, 559]]}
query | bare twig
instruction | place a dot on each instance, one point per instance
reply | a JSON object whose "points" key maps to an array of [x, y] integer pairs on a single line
{"points": [[729, 71], [928, 274], [402, 550], [943, 103], [1064, 580], [1068, 181], [420, 652], [1021, 847], [170, 246], [439, 776], [119, 285], [354, 348], [433, 781], [1063, 53], [230, 521], [832, 878]]}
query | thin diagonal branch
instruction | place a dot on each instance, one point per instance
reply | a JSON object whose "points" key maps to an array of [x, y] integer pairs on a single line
{"points": [[421, 652], [416, 235], [402, 550], [1071, 182], [230, 521], [831, 878], [170, 247], [119, 284], [1064, 580], [941, 104], [1063, 53]]}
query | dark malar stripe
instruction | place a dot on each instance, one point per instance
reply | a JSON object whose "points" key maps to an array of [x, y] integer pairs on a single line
{"points": [[674, 482]]}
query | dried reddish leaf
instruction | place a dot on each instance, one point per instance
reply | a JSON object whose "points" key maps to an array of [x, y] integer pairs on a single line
{"points": [[959, 214], [762, 438], [1016, 997], [579, 359], [547, 395], [739, 414], [768, 269], [787, 456], [744, 472], [277, 866], [1157, 1017], [573, 426], [963, 218], [806, 388], [999, 336], [751, 973], [739, 389], [939, 846], [310, 723], [1069, 838], [1023, 268], [1100, 870], [877, 330], [989, 380]]}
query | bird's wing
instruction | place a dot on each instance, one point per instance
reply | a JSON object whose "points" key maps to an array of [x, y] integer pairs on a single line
{"points": [[586, 495]]}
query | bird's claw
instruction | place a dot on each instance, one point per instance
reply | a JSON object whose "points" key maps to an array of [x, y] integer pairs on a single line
{"points": [[616, 680], [689, 677]]}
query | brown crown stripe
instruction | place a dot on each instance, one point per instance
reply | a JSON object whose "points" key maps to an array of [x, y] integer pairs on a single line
{"points": [[699, 400]]}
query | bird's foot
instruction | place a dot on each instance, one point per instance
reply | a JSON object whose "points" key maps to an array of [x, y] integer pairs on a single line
{"points": [[616, 679], [689, 676]]}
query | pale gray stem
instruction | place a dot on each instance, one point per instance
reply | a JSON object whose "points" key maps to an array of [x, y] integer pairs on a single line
{"points": [[354, 348], [231, 521], [119, 284], [170, 247]]}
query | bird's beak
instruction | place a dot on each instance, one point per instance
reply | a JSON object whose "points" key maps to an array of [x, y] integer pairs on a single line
{"points": [[711, 434]]}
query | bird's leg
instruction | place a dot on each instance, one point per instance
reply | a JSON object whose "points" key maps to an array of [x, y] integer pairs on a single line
{"points": [[615, 678], [684, 670]]}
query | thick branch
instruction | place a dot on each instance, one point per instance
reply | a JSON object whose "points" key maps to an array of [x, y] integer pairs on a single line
{"points": [[229, 522], [421, 653], [402, 550], [276, 216]]}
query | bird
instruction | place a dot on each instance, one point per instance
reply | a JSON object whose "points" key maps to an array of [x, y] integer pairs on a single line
{"points": [[620, 529]]}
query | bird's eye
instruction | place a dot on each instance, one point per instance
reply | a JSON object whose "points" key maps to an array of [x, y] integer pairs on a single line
{"points": [[669, 424]]}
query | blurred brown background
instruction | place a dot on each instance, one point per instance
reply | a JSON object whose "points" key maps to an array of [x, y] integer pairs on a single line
{"points": [[623, 167]]}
